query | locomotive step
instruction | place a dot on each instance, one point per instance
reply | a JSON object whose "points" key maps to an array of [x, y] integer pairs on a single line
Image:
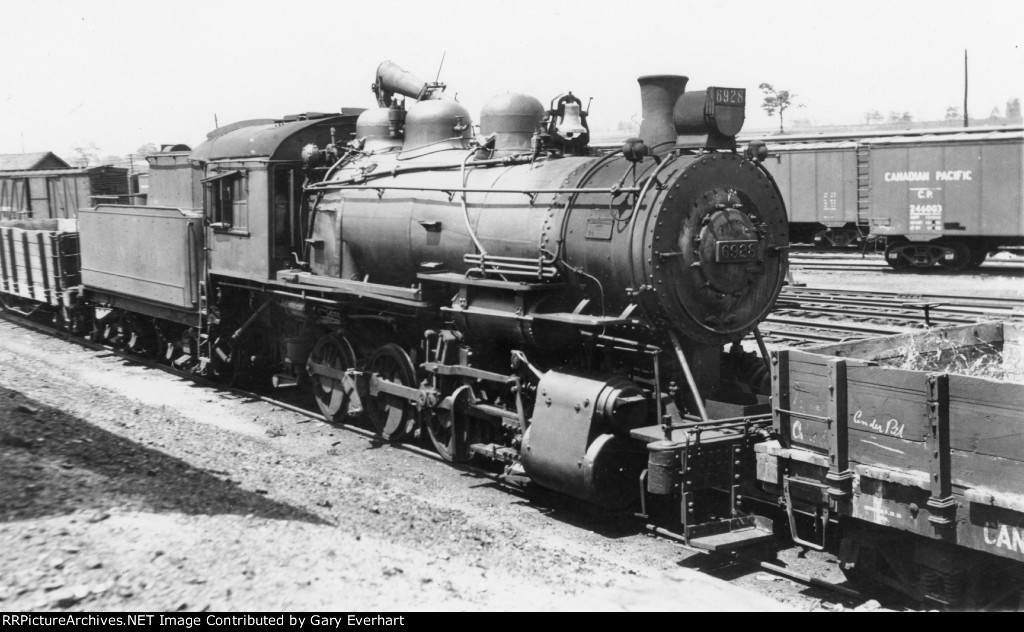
{"points": [[731, 540]]}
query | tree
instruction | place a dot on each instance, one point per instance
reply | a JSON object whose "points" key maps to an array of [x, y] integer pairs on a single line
{"points": [[777, 101], [148, 148], [897, 117], [85, 154], [952, 113], [1013, 108], [995, 113], [874, 116]]}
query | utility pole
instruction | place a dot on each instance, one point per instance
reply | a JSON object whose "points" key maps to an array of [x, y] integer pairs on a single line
{"points": [[965, 88], [131, 172]]}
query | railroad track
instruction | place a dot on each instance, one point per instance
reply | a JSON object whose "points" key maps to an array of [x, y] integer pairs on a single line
{"points": [[804, 316], [873, 262]]}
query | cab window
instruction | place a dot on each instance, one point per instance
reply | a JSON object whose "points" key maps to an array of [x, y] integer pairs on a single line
{"points": [[226, 201]]}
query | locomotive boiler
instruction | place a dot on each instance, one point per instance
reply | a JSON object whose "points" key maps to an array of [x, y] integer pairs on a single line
{"points": [[532, 303]]}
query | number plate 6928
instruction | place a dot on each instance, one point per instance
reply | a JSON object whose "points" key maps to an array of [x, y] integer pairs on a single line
{"points": [[737, 251]]}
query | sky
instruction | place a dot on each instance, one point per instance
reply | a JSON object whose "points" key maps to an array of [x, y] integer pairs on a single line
{"points": [[120, 74]]}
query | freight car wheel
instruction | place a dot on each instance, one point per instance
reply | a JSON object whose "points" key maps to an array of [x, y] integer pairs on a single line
{"points": [[978, 256], [143, 337], [894, 255], [333, 354], [392, 416], [961, 259]]}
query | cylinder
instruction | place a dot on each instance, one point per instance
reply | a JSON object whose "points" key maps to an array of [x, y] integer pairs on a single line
{"points": [[658, 95]]}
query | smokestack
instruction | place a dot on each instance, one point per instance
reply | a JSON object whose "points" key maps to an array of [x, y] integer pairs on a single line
{"points": [[658, 95]]}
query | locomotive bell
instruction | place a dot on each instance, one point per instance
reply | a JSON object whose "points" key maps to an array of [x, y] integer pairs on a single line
{"points": [[571, 125]]}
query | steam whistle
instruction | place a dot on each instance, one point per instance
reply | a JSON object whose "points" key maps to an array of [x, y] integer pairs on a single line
{"points": [[396, 118]]}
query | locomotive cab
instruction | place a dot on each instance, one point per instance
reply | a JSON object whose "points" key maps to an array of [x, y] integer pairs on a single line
{"points": [[252, 191]]}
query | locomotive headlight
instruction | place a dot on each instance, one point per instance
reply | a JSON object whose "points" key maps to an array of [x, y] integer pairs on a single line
{"points": [[711, 118]]}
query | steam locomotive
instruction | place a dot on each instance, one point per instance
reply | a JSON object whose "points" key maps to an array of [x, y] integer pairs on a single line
{"points": [[513, 296]]}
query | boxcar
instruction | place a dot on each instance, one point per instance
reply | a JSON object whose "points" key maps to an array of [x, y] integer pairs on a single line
{"points": [[824, 187], [944, 197], [59, 193], [947, 199]]}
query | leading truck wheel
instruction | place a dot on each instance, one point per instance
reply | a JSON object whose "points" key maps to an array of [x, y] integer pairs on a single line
{"points": [[957, 257], [392, 416]]}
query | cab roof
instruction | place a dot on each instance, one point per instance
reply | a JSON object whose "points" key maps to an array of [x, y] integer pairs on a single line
{"points": [[274, 139]]}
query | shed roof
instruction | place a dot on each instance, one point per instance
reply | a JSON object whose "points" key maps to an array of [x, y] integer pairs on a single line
{"points": [[66, 171], [35, 160]]}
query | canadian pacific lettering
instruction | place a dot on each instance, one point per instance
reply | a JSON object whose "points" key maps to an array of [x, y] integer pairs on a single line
{"points": [[1005, 537], [951, 175]]}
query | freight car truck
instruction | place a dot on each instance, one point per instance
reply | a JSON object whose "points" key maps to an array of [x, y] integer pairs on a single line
{"points": [[947, 199]]}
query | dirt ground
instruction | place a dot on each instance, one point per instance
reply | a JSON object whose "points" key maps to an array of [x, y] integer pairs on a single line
{"points": [[125, 488]]}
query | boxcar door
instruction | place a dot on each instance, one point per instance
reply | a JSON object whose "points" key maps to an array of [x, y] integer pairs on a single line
{"points": [[39, 197], [14, 202]]}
